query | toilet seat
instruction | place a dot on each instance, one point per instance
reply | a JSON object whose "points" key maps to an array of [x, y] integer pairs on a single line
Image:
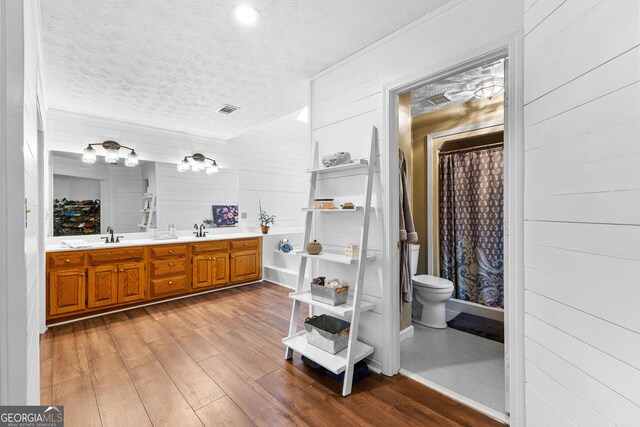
{"points": [[432, 282]]}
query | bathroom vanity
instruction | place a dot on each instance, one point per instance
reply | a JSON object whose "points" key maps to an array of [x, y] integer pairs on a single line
{"points": [[106, 277]]}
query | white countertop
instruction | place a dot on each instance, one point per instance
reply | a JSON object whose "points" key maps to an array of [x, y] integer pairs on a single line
{"points": [[124, 243]]}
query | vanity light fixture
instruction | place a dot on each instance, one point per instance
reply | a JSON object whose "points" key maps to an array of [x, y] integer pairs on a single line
{"points": [[245, 15], [197, 163], [89, 154]]}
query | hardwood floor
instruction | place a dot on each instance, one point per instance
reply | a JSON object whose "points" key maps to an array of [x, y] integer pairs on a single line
{"points": [[217, 360]]}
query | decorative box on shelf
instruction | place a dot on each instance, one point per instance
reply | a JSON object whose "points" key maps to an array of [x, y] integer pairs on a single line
{"points": [[351, 251]]}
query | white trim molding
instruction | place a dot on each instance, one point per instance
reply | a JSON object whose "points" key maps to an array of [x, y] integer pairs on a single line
{"points": [[510, 47]]}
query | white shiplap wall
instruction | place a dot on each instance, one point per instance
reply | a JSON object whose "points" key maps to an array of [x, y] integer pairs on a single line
{"points": [[582, 212], [347, 101], [267, 163], [21, 254]]}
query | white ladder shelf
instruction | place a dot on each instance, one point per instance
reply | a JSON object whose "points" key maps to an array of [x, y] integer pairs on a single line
{"points": [[296, 341], [148, 211]]}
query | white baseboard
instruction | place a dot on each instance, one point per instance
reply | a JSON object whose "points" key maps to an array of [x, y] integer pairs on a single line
{"points": [[490, 412], [279, 284], [406, 333]]}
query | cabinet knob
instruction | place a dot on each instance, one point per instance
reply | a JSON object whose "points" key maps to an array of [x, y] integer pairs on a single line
{"points": [[121, 270], [81, 274], [67, 261], [210, 259], [170, 282], [170, 264], [170, 251], [115, 271], [245, 243]]}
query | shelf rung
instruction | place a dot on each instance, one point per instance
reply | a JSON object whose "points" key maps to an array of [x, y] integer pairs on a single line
{"points": [[336, 363], [339, 310]]}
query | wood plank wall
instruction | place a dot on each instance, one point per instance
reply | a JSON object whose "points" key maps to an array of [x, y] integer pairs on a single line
{"points": [[346, 102], [268, 162], [582, 211]]}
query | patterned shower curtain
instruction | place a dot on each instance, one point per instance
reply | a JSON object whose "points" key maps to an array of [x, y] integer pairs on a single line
{"points": [[471, 225]]}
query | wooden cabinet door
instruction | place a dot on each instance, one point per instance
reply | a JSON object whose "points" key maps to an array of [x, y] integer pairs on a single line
{"points": [[66, 291], [102, 288], [132, 282], [220, 269], [245, 266], [202, 271]]}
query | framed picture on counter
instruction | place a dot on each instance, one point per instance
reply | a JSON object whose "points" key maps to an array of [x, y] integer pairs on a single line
{"points": [[225, 215]]}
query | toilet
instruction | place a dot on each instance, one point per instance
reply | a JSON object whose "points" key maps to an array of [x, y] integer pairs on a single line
{"points": [[430, 291]]}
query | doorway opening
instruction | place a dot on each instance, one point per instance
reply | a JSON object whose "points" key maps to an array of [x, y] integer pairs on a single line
{"points": [[451, 130]]}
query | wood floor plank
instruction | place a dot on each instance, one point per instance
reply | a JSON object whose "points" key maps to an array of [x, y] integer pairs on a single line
{"points": [[258, 404], [196, 346], [118, 401], [223, 413], [410, 411], [83, 412], [46, 382], [69, 356], [46, 340], [132, 348], [442, 404], [354, 406], [195, 385], [97, 338], [165, 404], [275, 353], [251, 362], [148, 328], [297, 396]]}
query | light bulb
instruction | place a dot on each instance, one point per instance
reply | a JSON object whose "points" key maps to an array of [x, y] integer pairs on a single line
{"points": [[89, 155], [213, 168], [112, 156], [132, 160], [183, 166], [245, 15]]}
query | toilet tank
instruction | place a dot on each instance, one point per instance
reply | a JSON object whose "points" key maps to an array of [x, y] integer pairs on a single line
{"points": [[414, 251]]}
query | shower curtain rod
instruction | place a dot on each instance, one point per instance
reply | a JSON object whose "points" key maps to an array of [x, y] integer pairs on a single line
{"points": [[481, 147]]}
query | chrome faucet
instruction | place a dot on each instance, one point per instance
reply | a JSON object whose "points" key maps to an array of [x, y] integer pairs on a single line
{"points": [[108, 239], [199, 231]]}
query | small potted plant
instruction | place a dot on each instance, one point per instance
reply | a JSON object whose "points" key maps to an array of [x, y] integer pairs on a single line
{"points": [[265, 219]]}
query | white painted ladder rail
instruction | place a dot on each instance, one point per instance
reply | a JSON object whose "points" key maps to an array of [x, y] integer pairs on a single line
{"points": [[356, 350]]}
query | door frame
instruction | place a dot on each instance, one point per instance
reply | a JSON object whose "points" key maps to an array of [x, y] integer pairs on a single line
{"points": [[510, 47]]}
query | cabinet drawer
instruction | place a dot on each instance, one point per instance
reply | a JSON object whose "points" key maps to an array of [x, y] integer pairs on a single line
{"points": [[69, 259], [218, 246], [167, 251], [243, 244], [168, 267], [168, 286], [117, 255]]}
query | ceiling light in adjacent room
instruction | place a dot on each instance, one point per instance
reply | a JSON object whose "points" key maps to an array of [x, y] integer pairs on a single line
{"points": [[131, 160], [489, 88], [245, 15]]}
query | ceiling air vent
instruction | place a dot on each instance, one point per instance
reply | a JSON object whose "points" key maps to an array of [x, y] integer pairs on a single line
{"points": [[438, 99], [227, 109]]}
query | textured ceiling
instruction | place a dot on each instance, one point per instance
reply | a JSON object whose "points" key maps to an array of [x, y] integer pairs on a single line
{"points": [[172, 63], [459, 88]]}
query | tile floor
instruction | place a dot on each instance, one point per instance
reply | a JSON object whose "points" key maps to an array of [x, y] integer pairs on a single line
{"points": [[467, 364]]}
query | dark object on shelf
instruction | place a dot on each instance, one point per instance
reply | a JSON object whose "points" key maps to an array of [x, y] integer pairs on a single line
{"points": [[76, 217], [327, 333], [480, 326], [360, 371]]}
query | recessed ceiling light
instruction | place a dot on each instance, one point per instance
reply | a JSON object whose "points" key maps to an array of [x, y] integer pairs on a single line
{"points": [[245, 15]]}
